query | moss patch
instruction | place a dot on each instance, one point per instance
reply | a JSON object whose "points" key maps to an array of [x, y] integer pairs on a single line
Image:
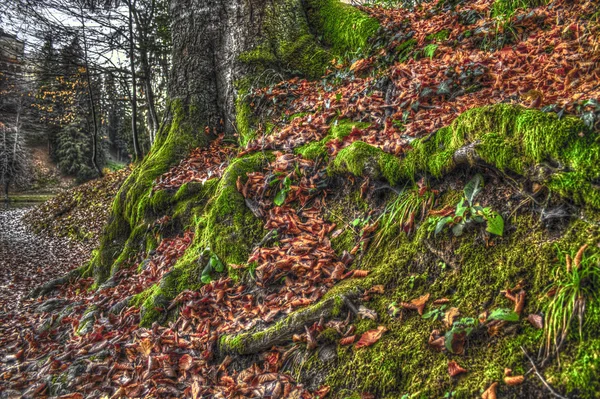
{"points": [[343, 27]]}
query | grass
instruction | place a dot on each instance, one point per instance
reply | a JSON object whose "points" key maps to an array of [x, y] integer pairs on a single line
{"points": [[577, 282], [404, 212]]}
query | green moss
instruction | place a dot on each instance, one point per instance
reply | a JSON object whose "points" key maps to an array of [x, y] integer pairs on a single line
{"points": [[343, 27], [136, 203], [339, 130], [223, 223], [524, 141], [402, 363], [439, 36], [361, 158]]}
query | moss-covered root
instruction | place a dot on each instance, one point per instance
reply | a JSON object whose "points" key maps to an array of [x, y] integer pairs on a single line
{"points": [[136, 200], [251, 342], [225, 225], [560, 153]]}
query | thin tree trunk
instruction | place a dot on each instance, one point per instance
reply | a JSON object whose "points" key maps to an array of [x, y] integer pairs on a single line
{"points": [[91, 99], [136, 144]]}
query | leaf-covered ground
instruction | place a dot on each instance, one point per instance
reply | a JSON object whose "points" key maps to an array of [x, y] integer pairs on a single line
{"points": [[431, 65]]}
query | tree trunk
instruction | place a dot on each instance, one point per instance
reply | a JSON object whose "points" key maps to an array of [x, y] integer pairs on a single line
{"points": [[136, 144], [218, 44]]}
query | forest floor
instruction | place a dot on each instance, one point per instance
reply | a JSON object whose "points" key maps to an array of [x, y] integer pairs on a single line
{"points": [[28, 259], [441, 64]]}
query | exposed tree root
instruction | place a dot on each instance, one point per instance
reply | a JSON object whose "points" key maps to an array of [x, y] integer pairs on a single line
{"points": [[54, 284], [251, 342]]}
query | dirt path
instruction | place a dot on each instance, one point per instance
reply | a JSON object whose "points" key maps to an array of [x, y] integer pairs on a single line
{"points": [[28, 260]]}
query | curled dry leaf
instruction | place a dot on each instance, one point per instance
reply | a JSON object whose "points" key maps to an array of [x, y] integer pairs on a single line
{"points": [[514, 380], [323, 391], [579, 256], [437, 341], [569, 263], [417, 304], [490, 393], [370, 337], [441, 301], [347, 340], [536, 320], [450, 315], [186, 362], [360, 273], [367, 313], [454, 369]]}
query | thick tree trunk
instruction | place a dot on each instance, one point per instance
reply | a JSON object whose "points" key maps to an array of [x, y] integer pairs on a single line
{"points": [[219, 43]]}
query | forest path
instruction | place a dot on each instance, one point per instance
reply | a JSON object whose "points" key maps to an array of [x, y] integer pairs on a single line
{"points": [[28, 260]]}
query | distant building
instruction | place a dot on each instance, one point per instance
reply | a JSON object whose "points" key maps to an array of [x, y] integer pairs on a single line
{"points": [[12, 52]]}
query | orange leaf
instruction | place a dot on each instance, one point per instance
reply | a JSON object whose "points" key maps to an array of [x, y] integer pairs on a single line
{"points": [[454, 369], [370, 337]]}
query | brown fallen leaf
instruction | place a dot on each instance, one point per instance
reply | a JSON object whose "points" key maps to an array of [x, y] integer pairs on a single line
{"points": [[186, 362], [454, 369], [437, 341], [347, 340], [441, 301], [322, 391], [450, 315], [490, 393], [579, 257], [417, 304], [360, 273], [536, 320], [370, 337], [514, 380]]}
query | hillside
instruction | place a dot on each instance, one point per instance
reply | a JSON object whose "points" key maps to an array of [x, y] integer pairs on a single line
{"points": [[421, 222]]}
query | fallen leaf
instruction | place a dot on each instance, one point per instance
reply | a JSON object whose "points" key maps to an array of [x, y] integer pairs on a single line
{"points": [[514, 380], [450, 315], [347, 340], [186, 362], [490, 393], [417, 304], [536, 320], [454, 369], [370, 337]]}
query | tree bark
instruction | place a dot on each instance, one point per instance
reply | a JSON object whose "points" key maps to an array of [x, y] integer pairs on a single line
{"points": [[209, 36], [136, 145]]}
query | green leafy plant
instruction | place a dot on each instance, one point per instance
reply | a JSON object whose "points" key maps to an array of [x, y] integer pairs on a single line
{"points": [[282, 194], [576, 284], [435, 314], [429, 50], [467, 212], [458, 334], [213, 264], [504, 315]]}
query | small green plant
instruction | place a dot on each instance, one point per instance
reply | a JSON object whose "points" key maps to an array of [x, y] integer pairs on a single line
{"points": [[429, 50], [576, 284], [468, 212], [282, 194], [213, 264], [405, 212], [435, 314]]}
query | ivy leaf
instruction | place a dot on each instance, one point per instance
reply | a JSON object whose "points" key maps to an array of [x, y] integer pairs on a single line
{"points": [[504, 314], [442, 222], [495, 223], [458, 229], [216, 264], [473, 188], [206, 278], [280, 197], [461, 208]]}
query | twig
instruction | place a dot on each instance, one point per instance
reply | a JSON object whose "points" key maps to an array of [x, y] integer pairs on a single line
{"points": [[535, 370]]}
